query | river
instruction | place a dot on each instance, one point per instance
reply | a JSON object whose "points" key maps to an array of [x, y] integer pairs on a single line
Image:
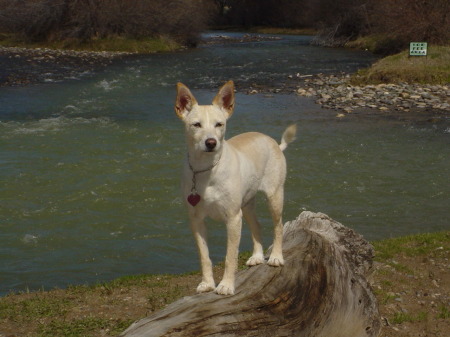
{"points": [[90, 166]]}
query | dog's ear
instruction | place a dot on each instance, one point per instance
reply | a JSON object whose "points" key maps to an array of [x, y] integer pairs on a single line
{"points": [[225, 97], [185, 100]]}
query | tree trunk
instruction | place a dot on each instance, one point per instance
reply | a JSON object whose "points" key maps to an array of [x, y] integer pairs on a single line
{"points": [[320, 291]]}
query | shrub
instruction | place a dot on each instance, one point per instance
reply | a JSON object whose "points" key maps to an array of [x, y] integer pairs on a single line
{"points": [[50, 20], [394, 22], [404, 21]]}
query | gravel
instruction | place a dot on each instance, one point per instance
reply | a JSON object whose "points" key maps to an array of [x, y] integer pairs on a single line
{"points": [[336, 92], [24, 66]]}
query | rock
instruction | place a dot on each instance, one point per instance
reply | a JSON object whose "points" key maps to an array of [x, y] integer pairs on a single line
{"points": [[348, 109], [325, 97], [302, 92], [358, 94], [404, 95]]}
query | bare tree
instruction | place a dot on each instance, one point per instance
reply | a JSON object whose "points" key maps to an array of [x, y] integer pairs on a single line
{"points": [[38, 20], [413, 20]]}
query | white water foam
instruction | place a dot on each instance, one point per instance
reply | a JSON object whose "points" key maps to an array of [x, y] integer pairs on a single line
{"points": [[107, 85], [50, 125], [30, 239]]}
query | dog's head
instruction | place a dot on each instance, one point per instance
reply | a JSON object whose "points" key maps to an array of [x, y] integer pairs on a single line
{"points": [[205, 124]]}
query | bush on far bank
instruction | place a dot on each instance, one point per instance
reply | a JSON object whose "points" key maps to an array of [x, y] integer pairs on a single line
{"points": [[84, 20], [389, 25]]}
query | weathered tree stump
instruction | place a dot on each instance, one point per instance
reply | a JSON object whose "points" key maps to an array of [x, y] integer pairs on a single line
{"points": [[321, 291]]}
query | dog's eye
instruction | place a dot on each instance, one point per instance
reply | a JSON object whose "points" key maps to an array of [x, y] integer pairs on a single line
{"points": [[219, 125], [197, 125]]}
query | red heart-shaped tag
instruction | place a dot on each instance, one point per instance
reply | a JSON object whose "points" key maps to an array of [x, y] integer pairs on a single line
{"points": [[193, 199]]}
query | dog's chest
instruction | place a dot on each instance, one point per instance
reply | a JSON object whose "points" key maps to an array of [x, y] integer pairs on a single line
{"points": [[218, 197]]}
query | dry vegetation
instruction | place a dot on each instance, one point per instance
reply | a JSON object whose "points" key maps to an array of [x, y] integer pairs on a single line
{"points": [[91, 20], [392, 24]]}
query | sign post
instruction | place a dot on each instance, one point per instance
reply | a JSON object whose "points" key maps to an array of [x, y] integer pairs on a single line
{"points": [[418, 49]]}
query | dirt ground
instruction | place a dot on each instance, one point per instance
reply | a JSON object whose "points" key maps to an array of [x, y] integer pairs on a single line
{"points": [[413, 295]]}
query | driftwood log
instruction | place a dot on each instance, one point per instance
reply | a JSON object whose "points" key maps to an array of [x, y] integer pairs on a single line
{"points": [[320, 291]]}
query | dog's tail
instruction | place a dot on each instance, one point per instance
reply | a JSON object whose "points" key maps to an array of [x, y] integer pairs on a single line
{"points": [[288, 136]]}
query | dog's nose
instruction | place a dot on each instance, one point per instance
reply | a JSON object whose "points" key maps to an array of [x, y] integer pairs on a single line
{"points": [[210, 143]]}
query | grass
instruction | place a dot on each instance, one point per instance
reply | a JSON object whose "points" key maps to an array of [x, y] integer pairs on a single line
{"points": [[33, 308], [111, 44], [92, 310], [433, 69], [83, 327], [267, 30], [402, 317], [282, 31], [412, 245], [401, 281], [444, 312]]}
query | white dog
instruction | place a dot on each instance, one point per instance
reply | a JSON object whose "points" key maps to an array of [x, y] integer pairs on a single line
{"points": [[221, 178]]}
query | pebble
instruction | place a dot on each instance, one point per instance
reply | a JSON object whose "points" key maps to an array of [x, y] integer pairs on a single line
{"points": [[336, 92], [35, 65], [50, 54]]}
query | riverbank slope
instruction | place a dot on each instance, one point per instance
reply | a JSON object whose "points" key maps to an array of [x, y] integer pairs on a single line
{"points": [[411, 281]]}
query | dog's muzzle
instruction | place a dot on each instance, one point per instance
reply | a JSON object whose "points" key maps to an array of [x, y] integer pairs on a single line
{"points": [[210, 144]]}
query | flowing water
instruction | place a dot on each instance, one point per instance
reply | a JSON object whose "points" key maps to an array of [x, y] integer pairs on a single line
{"points": [[90, 167]]}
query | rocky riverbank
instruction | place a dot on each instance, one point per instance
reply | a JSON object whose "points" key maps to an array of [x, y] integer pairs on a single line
{"points": [[23, 66], [336, 92]]}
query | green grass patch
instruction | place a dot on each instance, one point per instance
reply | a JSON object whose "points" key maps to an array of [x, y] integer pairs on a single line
{"points": [[433, 69], [387, 298], [412, 245], [368, 42], [402, 317], [33, 308], [444, 312], [145, 45], [83, 327]]}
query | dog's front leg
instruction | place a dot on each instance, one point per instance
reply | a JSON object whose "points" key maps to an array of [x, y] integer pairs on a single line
{"points": [[199, 231], [234, 227]]}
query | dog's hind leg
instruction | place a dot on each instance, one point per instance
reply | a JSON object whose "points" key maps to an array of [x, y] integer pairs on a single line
{"points": [[275, 202], [199, 231], [249, 212]]}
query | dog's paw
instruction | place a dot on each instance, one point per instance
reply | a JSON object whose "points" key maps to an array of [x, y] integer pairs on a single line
{"points": [[204, 287], [225, 289], [255, 260], [276, 261]]}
